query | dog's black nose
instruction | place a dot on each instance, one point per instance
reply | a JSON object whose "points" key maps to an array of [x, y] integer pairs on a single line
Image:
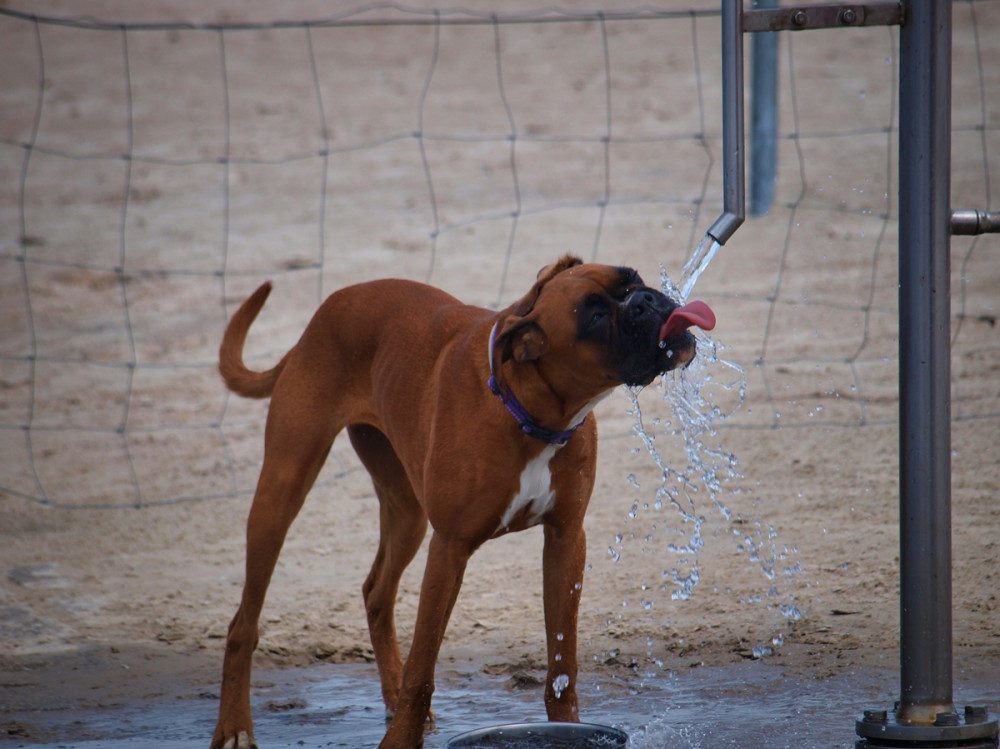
{"points": [[642, 303]]}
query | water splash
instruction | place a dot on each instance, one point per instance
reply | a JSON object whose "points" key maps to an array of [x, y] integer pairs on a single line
{"points": [[710, 471], [701, 396]]}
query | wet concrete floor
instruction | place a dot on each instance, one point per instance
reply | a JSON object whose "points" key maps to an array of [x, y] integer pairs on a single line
{"points": [[750, 704]]}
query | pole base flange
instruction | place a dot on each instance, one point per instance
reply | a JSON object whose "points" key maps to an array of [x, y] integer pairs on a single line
{"points": [[974, 728]]}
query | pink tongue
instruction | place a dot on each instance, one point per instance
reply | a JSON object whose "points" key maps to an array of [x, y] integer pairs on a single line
{"points": [[682, 318]]}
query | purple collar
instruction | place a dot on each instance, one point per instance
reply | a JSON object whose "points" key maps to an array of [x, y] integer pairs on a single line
{"points": [[520, 414]]}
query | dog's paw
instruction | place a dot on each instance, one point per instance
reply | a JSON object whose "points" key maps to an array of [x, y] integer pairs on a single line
{"points": [[429, 724], [242, 740]]}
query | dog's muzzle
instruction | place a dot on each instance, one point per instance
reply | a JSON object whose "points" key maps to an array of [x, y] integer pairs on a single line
{"points": [[656, 322], [674, 336]]}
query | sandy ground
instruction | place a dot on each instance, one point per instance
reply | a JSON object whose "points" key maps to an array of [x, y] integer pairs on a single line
{"points": [[102, 602]]}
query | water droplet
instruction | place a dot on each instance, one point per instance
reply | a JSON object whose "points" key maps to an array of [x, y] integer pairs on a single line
{"points": [[559, 685], [791, 611]]}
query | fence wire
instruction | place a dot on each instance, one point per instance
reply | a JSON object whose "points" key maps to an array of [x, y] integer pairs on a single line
{"points": [[153, 173]]}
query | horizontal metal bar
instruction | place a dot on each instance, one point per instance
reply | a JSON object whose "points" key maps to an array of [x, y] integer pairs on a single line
{"points": [[969, 222], [358, 18], [823, 16]]}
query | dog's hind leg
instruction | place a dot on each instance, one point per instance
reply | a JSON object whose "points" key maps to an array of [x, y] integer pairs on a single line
{"points": [[294, 453], [402, 526]]}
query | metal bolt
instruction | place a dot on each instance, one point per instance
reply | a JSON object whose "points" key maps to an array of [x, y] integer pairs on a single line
{"points": [[975, 714], [875, 716], [946, 719], [799, 18], [848, 16]]}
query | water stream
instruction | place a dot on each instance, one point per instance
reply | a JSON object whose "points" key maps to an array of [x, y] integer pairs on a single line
{"points": [[699, 398], [695, 266]]}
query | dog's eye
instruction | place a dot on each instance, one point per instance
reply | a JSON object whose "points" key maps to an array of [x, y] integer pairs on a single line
{"points": [[594, 313], [596, 309]]}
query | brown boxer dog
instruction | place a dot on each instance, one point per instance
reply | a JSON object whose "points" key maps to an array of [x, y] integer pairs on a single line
{"points": [[468, 419]]}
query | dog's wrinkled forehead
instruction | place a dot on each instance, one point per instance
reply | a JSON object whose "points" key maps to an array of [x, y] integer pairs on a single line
{"points": [[567, 285], [619, 281], [616, 281]]}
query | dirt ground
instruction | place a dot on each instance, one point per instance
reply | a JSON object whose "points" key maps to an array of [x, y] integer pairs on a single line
{"points": [[102, 600]]}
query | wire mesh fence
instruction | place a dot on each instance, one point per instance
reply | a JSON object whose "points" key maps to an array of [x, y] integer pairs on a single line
{"points": [[152, 174]]}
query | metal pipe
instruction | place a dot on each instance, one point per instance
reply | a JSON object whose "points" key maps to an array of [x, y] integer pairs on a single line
{"points": [[970, 222], [924, 363], [925, 715], [763, 117], [734, 186]]}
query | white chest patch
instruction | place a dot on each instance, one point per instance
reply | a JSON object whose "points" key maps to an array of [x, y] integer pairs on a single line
{"points": [[535, 494]]}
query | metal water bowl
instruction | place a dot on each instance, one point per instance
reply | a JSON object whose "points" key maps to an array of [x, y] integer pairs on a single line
{"points": [[542, 736]]}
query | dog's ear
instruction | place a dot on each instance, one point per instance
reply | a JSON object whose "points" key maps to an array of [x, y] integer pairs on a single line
{"points": [[519, 337], [522, 340], [566, 261], [526, 303]]}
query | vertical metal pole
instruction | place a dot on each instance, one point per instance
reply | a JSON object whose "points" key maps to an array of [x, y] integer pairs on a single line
{"points": [[924, 362], [763, 116], [734, 178], [925, 715]]}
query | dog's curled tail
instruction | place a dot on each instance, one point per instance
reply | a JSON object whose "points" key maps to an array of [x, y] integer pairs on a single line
{"points": [[237, 377]]}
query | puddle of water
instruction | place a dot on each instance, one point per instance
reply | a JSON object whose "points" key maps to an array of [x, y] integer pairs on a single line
{"points": [[751, 704]]}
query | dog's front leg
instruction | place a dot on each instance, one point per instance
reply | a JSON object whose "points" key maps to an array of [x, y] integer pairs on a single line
{"points": [[563, 559], [446, 561]]}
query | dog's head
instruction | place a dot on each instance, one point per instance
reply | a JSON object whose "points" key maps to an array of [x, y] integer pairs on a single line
{"points": [[599, 325]]}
